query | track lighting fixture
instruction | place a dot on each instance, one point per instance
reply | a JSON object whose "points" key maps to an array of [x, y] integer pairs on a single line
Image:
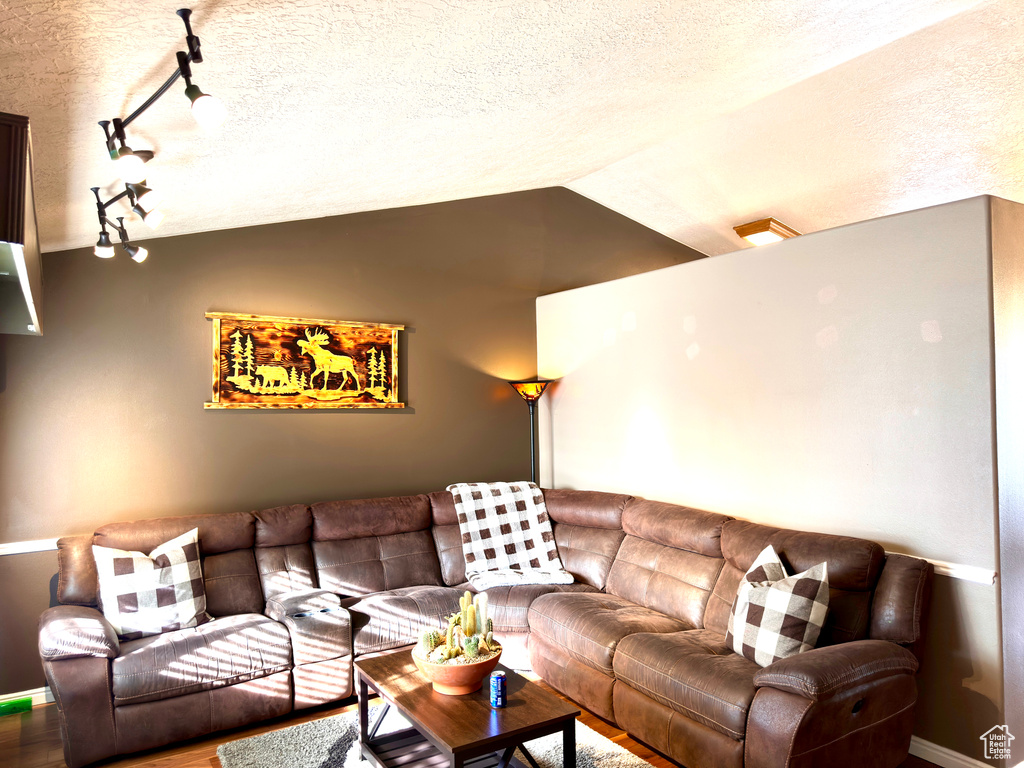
{"points": [[146, 199], [207, 110], [104, 248], [137, 252], [151, 218], [130, 163]]}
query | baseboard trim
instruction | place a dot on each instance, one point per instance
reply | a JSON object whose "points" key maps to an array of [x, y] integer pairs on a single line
{"points": [[942, 756], [38, 695]]}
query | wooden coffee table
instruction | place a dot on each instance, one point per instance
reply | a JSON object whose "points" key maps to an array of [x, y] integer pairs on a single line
{"points": [[456, 731]]}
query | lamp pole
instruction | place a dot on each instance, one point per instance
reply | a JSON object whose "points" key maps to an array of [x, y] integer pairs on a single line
{"points": [[533, 440], [531, 391]]}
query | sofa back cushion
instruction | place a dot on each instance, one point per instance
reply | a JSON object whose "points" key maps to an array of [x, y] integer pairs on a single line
{"points": [[588, 531], [225, 542], [670, 559], [447, 537], [77, 580], [371, 545], [284, 556], [854, 566]]}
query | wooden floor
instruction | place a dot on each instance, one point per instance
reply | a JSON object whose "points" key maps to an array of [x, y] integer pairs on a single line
{"points": [[32, 740]]}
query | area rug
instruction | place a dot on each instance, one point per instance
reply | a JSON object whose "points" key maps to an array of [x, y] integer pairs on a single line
{"points": [[333, 742]]}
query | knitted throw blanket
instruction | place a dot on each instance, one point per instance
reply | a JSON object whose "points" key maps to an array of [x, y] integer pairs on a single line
{"points": [[506, 535]]}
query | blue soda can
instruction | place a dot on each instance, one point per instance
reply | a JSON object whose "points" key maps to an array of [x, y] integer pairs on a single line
{"points": [[497, 689]]}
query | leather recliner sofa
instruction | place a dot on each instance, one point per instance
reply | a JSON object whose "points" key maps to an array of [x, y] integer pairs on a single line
{"points": [[299, 592]]}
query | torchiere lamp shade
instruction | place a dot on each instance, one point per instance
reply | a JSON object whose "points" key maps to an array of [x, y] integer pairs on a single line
{"points": [[530, 390]]}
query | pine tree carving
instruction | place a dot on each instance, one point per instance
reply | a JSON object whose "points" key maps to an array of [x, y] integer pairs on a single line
{"points": [[249, 358], [236, 351]]}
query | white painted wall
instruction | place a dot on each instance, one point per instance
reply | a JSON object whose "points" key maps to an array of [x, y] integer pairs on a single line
{"points": [[837, 382]]}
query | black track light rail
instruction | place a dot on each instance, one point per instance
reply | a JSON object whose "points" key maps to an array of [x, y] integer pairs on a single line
{"points": [[142, 201], [101, 207], [195, 54]]}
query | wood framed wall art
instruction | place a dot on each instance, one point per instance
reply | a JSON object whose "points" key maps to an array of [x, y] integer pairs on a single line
{"points": [[290, 362]]}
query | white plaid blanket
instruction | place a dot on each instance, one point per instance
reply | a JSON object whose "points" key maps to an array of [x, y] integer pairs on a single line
{"points": [[506, 535]]}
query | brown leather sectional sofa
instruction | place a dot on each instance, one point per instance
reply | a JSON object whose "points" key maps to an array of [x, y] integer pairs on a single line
{"points": [[298, 592]]}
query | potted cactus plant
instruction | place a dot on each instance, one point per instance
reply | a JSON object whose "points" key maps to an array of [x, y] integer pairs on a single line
{"points": [[457, 659]]}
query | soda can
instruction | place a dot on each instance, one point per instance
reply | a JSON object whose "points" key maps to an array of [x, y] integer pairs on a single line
{"points": [[497, 689]]}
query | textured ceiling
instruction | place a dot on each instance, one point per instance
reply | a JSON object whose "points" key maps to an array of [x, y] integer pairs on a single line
{"points": [[689, 117]]}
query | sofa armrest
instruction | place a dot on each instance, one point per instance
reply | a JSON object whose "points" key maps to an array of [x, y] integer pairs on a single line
{"points": [[822, 673], [320, 628], [822, 706], [71, 632]]}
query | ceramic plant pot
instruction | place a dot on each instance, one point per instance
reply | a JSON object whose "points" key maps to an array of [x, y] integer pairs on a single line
{"points": [[457, 679]]}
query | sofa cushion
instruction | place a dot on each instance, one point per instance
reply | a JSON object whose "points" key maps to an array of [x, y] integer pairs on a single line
{"points": [[398, 617], [448, 542], [589, 626], [592, 509], [285, 568], [509, 606], [217, 533], [281, 526], [587, 553], [665, 579], [672, 525], [353, 567], [219, 653], [694, 673], [361, 518]]}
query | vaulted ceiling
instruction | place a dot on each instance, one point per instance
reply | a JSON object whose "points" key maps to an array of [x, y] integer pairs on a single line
{"points": [[689, 117]]}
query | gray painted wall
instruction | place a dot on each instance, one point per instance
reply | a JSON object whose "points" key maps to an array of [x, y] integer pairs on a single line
{"points": [[102, 418]]}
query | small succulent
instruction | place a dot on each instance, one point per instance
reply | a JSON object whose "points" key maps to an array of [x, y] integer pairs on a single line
{"points": [[430, 640], [472, 647]]}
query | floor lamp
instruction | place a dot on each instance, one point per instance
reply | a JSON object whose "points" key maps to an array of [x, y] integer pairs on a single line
{"points": [[531, 391]]}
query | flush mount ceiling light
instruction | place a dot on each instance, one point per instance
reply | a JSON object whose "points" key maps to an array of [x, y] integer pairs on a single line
{"points": [[765, 231], [130, 164]]}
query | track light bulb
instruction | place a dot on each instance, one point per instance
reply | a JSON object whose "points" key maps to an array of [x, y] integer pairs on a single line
{"points": [[137, 252], [208, 110], [130, 166], [104, 249], [153, 218], [146, 199]]}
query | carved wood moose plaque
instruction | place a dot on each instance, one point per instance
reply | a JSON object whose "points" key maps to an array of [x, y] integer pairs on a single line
{"points": [[290, 362]]}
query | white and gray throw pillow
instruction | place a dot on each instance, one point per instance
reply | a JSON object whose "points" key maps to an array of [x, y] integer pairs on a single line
{"points": [[144, 595], [776, 615], [506, 535]]}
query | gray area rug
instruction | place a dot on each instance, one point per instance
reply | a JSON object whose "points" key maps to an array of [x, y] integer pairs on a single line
{"points": [[333, 742]]}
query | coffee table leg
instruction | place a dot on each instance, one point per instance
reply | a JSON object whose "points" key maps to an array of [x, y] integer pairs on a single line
{"points": [[364, 714], [569, 745]]}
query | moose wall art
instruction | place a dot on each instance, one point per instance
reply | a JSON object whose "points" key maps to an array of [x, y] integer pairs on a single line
{"points": [[289, 362]]}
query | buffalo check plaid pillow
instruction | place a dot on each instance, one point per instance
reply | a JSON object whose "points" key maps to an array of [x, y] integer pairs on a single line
{"points": [[506, 535], [144, 595], [776, 615]]}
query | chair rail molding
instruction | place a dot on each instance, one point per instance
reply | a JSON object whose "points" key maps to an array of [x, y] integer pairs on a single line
{"points": [[25, 547]]}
